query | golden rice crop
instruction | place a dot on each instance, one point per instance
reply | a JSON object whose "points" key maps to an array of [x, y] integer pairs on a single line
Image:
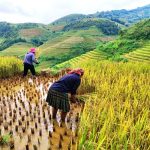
{"points": [[116, 114], [9, 66]]}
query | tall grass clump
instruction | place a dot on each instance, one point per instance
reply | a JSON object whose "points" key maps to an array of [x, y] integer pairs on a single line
{"points": [[10, 66], [116, 114]]}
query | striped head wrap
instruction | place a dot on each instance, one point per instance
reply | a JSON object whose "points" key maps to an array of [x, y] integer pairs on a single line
{"points": [[78, 71]]}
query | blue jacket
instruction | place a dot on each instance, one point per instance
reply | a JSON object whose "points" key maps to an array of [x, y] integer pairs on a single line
{"points": [[67, 84], [30, 58]]}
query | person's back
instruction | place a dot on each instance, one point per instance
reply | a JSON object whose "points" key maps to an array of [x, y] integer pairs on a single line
{"points": [[29, 58], [57, 96], [67, 84], [28, 62]]}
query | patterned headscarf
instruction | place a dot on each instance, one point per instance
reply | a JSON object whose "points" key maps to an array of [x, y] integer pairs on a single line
{"points": [[78, 71]]}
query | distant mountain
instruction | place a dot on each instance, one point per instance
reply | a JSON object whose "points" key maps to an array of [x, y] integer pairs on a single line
{"points": [[124, 17], [69, 19]]}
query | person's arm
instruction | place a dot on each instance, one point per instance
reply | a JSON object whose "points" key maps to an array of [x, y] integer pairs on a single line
{"points": [[73, 98], [73, 92], [34, 59]]}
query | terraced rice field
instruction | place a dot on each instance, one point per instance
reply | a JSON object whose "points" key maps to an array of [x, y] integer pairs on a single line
{"points": [[31, 32], [18, 49], [141, 54], [59, 45], [65, 42], [92, 55]]}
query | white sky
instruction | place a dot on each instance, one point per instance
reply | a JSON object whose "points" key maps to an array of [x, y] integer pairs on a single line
{"points": [[46, 11]]}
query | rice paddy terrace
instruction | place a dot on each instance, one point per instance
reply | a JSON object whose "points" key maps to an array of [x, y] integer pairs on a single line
{"points": [[26, 117], [18, 49], [92, 55], [141, 54]]}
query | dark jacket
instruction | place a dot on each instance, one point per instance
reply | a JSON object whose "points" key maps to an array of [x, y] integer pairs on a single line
{"points": [[67, 84]]}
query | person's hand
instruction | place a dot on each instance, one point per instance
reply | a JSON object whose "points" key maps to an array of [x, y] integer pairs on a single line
{"points": [[37, 62], [73, 99]]}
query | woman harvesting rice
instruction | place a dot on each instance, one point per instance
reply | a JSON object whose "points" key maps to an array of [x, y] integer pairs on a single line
{"points": [[28, 62], [58, 93]]}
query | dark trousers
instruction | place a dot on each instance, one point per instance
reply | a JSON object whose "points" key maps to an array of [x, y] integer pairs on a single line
{"points": [[28, 67]]}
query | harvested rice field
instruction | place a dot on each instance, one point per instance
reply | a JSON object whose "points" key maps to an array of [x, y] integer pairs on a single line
{"points": [[26, 121]]}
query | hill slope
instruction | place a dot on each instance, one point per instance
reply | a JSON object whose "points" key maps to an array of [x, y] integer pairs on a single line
{"points": [[18, 49], [141, 54], [92, 55], [70, 45], [129, 40]]}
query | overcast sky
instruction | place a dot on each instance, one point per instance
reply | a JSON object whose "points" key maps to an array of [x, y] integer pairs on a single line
{"points": [[46, 11]]}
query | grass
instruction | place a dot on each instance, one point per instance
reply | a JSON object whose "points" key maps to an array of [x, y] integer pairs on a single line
{"points": [[10, 66]]}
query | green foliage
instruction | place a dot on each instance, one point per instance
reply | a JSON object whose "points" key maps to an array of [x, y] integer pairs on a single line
{"points": [[106, 26], [5, 139], [36, 41], [140, 31], [7, 30], [119, 46]]}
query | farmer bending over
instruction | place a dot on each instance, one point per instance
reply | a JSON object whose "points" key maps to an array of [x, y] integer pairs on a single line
{"points": [[58, 93], [28, 62]]}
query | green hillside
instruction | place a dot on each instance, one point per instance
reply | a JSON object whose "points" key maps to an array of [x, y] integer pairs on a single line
{"points": [[129, 40], [106, 26], [132, 44], [141, 54], [32, 33], [92, 55], [69, 45], [18, 49]]}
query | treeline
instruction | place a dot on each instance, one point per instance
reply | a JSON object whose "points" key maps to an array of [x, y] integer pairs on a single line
{"points": [[27, 25], [7, 30], [106, 26]]}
